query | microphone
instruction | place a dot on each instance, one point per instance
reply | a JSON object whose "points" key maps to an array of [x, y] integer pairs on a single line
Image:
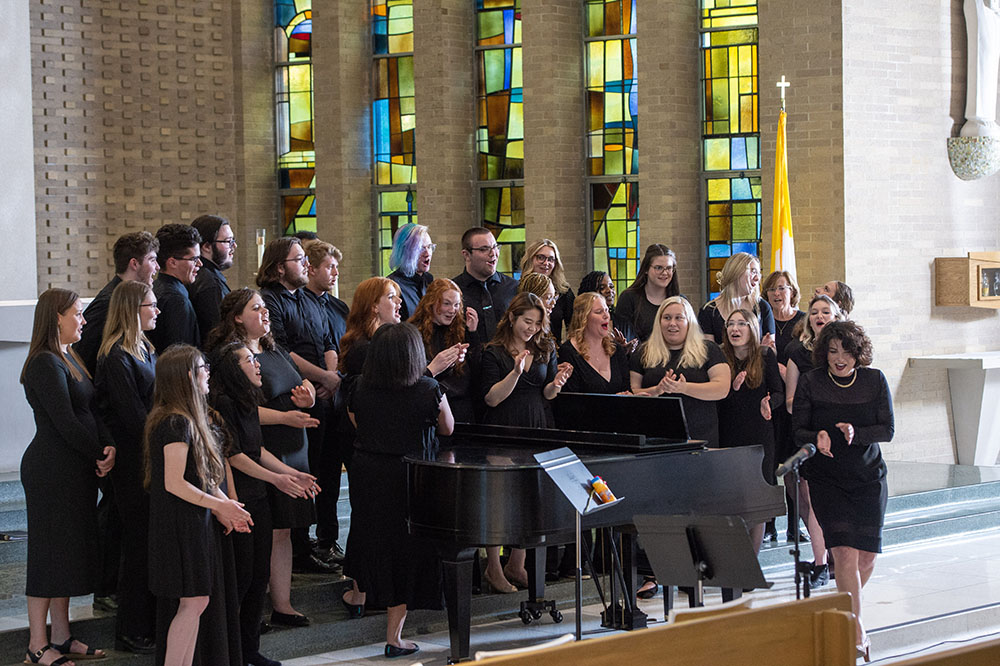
{"points": [[802, 455]]}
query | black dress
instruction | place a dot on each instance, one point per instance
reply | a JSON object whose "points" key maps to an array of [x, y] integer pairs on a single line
{"points": [[740, 420], [634, 309], [391, 566], [125, 395], [848, 491], [461, 385], [189, 556], [783, 334], [713, 325], [525, 406], [562, 314], [585, 379], [701, 416], [279, 376], [59, 479]]}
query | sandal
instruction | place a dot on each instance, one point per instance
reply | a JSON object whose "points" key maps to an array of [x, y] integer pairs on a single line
{"points": [[36, 657], [647, 592], [66, 648]]}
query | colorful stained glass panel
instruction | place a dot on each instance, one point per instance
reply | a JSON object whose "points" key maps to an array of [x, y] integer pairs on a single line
{"points": [[498, 22], [394, 120], [298, 213], [733, 220], [500, 135], [392, 26], [395, 208], [503, 214], [610, 17], [615, 230], [728, 13], [612, 107], [730, 88]]}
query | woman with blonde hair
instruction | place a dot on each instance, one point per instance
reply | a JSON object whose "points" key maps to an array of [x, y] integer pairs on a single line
{"points": [[126, 370], [185, 473], [59, 472], [442, 321], [542, 257], [739, 284], [599, 365]]}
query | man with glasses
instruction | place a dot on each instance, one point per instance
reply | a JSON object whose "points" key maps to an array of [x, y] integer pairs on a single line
{"points": [[218, 248], [135, 259], [483, 289], [179, 257]]}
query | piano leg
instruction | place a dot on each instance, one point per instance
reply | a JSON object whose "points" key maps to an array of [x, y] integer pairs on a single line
{"points": [[532, 609], [458, 600]]}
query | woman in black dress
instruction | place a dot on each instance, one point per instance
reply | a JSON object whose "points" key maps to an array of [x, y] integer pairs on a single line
{"points": [[520, 375], [410, 261], [782, 293], [126, 370], [655, 282], [739, 287], [59, 472], [757, 391], [439, 318], [391, 568], [822, 311], [236, 393], [184, 475], [542, 257], [599, 365], [844, 407], [601, 282], [286, 396], [376, 302]]}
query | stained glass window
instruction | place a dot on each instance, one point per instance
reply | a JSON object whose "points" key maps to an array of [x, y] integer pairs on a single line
{"points": [[500, 126], [730, 131], [393, 121], [503, 214], [395, 208], [615, 230], [612, 93], [294, 114]]}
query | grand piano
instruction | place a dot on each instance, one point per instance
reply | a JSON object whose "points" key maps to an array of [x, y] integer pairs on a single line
{"points": [[485, 488]]}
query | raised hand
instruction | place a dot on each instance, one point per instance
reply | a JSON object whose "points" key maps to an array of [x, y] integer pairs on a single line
{"points": [[823, 443], [446, 358], [563, 372], [768, 341], [519, 361], [739, 379], [105, 464], [672, 383], [471, 319], [302, 397], [765, 407], [297, 419], [848, 431]]}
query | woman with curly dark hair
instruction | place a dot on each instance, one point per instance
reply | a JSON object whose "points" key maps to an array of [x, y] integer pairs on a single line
{"points": [[844, 407]]}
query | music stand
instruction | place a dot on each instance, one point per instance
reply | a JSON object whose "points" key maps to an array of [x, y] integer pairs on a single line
{"points": [[695, 550], [572, 478]]}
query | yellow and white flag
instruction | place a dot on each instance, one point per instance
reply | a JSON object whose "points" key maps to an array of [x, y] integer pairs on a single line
{"points": [[782, 243]]}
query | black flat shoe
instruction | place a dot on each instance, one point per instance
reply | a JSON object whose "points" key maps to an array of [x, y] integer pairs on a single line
{"points": [[790, 537], [648, 593], [819, 577], [289, 619], [354, 611], [391, 651], [260, 660], [135, 644]]}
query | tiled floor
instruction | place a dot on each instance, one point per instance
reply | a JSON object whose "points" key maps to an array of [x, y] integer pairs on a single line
{"points": [[908, 584]]}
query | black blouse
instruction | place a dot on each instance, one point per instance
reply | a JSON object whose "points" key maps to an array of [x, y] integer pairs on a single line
{"points": [[740, 420], [585, 379], [562, 314], [712, 323], [125, 396], [633, 307], [279, 376], [783, 334], [245, 437]]}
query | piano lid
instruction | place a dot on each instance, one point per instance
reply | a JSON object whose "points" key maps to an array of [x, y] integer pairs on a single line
{"points": [[660, 419]]}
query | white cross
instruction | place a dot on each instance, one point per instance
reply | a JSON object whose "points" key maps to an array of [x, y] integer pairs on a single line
{"points": [[782, 84]]}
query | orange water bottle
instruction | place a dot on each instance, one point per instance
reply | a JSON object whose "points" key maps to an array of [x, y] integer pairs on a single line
{"points": [[604, 494]]}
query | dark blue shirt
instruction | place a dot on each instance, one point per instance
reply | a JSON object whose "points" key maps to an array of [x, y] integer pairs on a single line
{"points": [[489, 298], [336, 312], [298, 323], [177, 322]]}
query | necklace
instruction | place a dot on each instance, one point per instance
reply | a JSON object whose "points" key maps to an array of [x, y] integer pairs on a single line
{"points": [[783, 326], [854, 375]]}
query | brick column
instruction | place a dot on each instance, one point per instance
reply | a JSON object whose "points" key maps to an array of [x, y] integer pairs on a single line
{"points": [[342, 97], [444, 73], [554, 163], [670, 130]]}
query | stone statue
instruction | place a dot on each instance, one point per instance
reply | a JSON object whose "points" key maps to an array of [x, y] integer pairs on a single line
{"points": [[982, 23]]}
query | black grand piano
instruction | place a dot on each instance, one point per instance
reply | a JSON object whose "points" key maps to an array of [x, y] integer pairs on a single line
{"points": [[486, 489]]}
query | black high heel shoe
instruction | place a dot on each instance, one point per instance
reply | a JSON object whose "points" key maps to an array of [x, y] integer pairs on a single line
{"points": [[649, 592]]}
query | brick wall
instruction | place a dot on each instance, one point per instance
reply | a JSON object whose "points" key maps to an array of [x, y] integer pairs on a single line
{"points": [[134, 126]]}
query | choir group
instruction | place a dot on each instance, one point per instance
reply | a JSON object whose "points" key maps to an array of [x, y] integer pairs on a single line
{"points": [[216, 422]]}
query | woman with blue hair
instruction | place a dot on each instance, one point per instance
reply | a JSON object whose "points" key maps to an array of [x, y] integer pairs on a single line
{"points": [[410, 260]]}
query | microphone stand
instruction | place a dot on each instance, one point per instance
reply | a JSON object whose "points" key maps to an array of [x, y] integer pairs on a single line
{"points": [[801, 568]]}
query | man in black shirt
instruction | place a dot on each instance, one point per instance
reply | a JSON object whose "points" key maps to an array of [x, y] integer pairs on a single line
{"points": [[335, 439], [218, 247], [179, 258], [483, 289], [135, 259]]}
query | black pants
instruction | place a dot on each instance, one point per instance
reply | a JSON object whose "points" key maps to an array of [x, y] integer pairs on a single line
{"points": [[253, 569], [136, 604]]}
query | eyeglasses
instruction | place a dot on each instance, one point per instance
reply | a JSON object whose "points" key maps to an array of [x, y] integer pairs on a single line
{"points": [[148, 305], [661, 269], [754, 271], [251, 359], [430, 247], [737, 324], [227, 241], [545, 259], [297, 260], [775, 290], [205, 365], [196, 259], [486, 249]]}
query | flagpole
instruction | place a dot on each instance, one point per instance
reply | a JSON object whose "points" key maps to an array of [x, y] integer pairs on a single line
{"points": [[782, 243]]}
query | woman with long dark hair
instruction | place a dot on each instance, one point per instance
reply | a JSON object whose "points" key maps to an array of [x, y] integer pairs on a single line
{"points": [[59, 472], [235, 392], [392, 569], [185, 473], [126, 370], [655, 282]]}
